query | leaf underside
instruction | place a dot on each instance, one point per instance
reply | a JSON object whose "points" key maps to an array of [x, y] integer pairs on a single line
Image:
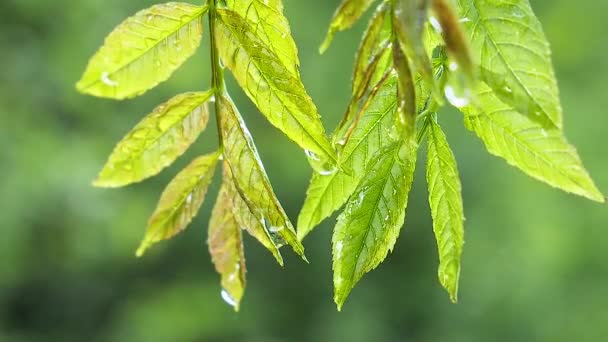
{"points": [[144, 51]]}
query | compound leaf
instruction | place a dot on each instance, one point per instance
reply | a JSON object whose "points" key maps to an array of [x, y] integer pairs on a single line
{"points": [[250, 178], [327, 193], [278, 94], [445, 199], [180, 201], [225, 242], [369, 226], [144, 50], [514, 56], [270, 26], [344, 18], [541, 152], [159, 139]]}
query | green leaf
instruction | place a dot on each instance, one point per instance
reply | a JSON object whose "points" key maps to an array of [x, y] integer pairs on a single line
{"points": [[157, 141], [445, 199], [369, 226], [277, 93], [327, 193], [515, 60], [143, 51], [245, 216], [345, 17], [225, 242], [180, 201], [250, 178], [541, 152], [271, 27]]}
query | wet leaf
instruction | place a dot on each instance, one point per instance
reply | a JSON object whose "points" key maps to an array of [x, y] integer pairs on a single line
{"points": [[370, 224], [349, 12], [445, 199], [159, 139], [143, 51], [515, 60], [246, 218], [454, 36], [180, 201], [225, 242], [328, 193], [271, 27], [541, 152], [277, 93], [250, 178]]}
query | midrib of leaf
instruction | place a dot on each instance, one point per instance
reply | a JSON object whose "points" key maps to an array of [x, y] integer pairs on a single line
{"points": [[198, 15], [480, 23]]}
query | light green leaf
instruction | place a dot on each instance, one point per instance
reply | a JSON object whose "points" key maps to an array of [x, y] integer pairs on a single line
{"points": [[508, 41], [278, 94], [270, 26], [541, 152], [250, 178], [225, 242], [246, 218], [159, 139], [369, 226], [454, 37], [445, 199], [327, 193], [345, 17], [143, 51], [180, 201]]}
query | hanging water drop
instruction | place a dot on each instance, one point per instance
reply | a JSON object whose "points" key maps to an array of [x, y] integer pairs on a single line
{"points": [[228, 298]]}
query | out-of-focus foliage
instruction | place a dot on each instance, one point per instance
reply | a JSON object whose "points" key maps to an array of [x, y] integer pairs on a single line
{"points": [[534, 265]]}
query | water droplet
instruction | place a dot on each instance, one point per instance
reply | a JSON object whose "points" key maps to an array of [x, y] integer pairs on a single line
{"points": [[105, 78], [435, 23], [189, 199], [311, 155], [228, 298], [339, 246], [456, 98]]}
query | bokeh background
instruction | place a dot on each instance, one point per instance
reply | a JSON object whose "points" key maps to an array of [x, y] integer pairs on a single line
{"points": [[535, 265]]}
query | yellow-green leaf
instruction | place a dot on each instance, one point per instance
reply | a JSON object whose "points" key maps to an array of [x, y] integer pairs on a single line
{"points": [[278, 94], [327, 193], [180, 201], [246, 218], [445, 199], [454, 37], [345, 17], [250, 178], [225, 242], [541, 152], [159, 139], [370, 224], [514, 56], [271, 26], [144, 50]]}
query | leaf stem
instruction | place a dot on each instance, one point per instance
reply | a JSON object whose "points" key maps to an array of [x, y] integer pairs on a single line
{"points": [[217, 71]]}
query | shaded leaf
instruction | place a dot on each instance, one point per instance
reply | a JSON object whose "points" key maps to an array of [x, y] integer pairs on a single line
{"points": [[541, 152], [225, 242], [159, 139], [250, 178], [327, 193], [369, 226], [445, 199], [344, 18], [143, 51], [271, 27], [508, 41], [180, 201], [278, 94], [246, 218]]}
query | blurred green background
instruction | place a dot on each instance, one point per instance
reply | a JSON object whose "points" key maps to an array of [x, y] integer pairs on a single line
{"points": [[535, 266]]}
